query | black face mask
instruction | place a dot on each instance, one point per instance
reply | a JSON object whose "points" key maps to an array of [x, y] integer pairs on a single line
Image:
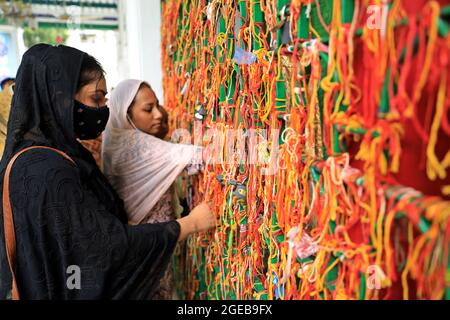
{"points": [[89, 123]]}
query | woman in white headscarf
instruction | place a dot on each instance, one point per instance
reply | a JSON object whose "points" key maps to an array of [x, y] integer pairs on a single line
{"points": [[140, 166]]}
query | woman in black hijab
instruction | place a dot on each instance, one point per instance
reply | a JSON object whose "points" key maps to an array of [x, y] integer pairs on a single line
{"points": [[66, 216]]}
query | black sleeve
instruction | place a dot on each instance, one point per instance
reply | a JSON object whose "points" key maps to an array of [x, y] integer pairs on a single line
{"points": [[60, 223]]}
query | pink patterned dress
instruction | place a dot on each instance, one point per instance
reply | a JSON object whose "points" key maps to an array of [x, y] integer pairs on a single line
{"points": [[163, 212]]}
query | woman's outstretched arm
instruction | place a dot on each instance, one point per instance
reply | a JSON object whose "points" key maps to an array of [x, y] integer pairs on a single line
{"points": [[199, 220]]}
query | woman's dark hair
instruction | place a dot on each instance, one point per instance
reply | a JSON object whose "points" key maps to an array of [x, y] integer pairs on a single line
{"points": [[91, 70]]}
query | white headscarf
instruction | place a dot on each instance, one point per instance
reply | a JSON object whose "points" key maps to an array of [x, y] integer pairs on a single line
{"points": [[140, 167]]}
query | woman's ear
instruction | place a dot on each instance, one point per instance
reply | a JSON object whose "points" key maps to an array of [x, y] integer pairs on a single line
{"points": [[130, 113], [130, 121]]}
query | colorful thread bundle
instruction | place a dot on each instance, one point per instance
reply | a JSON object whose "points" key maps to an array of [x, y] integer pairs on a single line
{"points": [[344, 82]]}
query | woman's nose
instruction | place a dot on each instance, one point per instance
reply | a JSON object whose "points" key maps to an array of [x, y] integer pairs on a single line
{"points": [[157, 114]]}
